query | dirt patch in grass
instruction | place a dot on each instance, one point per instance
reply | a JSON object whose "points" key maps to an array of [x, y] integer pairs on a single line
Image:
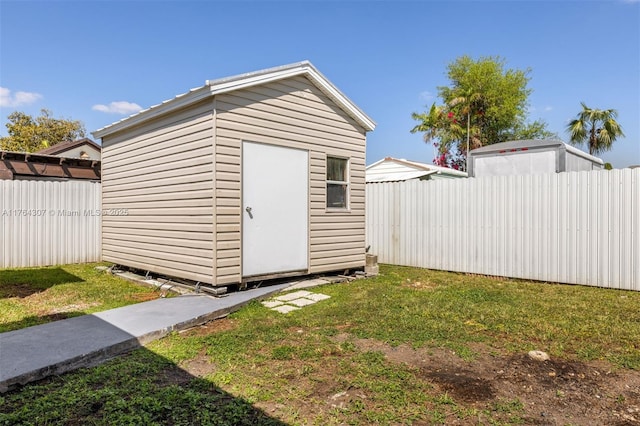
{"points": [[419, 285], [19, 290], [494, 385], [144, 297], [63, 310], [200, 366], [55, 316], [551, 392], [462, 385], [217, 326]]}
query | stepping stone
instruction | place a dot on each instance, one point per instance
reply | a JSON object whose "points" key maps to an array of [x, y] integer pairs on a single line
{"points": [[293, 296], [272, 303], [285, 309], [303, 301], [316, 297]]}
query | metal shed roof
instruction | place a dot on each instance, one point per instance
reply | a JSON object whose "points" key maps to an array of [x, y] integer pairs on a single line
{"points": [[535, 144], [228, 84]]}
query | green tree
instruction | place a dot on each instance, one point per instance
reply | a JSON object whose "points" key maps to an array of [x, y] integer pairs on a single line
{"points": [[484, 104], [28, 134], [535, 130], [597, 127]]}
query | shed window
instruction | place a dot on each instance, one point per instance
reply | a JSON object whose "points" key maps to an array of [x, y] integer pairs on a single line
{"points": [[337, 182]]}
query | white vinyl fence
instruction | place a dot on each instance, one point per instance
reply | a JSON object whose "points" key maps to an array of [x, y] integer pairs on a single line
{"points": [[49, 222], [577, 228]]}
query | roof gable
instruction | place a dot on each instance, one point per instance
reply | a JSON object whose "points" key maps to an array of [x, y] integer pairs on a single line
{"points": [[68, 145], [242, 81]]}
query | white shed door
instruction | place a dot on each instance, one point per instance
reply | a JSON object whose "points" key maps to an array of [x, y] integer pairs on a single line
{"points": [[275, 185]]}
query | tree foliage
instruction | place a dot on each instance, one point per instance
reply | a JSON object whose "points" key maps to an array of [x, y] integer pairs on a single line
{"points": [[28, 134], [597, 127], [484, 104]]}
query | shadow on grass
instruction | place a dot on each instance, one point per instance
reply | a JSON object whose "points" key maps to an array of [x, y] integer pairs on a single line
{"points": [[137, 388], [85, 370], [38, 320], [25, 282]]}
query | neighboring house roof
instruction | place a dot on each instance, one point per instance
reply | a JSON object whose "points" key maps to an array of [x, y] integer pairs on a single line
{"points": [[242, 81], [391, 169], [62, 147]]}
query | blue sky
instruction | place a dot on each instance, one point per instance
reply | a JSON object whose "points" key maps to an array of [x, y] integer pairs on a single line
{"points": [[99, 61]]}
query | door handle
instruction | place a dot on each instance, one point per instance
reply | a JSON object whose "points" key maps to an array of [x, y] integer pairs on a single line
{"points": [[248, 209]]}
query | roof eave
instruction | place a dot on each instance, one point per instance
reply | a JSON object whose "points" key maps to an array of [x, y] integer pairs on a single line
{"points": [[584, 154], [178, 102], [400, 177], [337, 96]]}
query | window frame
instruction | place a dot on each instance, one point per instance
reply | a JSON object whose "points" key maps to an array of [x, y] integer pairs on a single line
{"points": [[346, 183]]}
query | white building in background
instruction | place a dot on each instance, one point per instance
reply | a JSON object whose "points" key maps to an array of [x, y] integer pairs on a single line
{"points": [[391, 169], [530, 157]]}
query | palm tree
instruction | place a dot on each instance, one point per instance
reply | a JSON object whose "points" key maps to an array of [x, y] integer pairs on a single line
{"points": [[598, 127], [429, 123], [465, 104], [469, 101]]}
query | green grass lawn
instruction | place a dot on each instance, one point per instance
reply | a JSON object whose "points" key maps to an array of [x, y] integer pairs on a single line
{"points": [[310, 366], [32, 296]]}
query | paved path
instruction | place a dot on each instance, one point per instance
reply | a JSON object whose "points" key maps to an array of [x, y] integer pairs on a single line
{"points": [[34, 353]]}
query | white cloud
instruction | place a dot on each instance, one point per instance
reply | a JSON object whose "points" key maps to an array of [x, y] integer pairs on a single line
{"points": [[119, 107], [533, 109], [18, 99], [426, 96]]}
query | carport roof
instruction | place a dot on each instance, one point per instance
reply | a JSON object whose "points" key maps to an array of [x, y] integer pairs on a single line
{"points": [[15, 165], [228, 84]]}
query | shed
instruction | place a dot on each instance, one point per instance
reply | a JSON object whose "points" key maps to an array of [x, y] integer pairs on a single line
{"points": [[527, 157], [391, 169], [249, 177]]}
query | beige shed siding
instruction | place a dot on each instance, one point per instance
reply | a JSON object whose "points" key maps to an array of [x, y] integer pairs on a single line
{"points": [[162, 175], [292, 113]]}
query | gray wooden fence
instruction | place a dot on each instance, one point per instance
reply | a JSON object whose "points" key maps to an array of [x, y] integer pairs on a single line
{"points": [[49, 222], [577, 228]]}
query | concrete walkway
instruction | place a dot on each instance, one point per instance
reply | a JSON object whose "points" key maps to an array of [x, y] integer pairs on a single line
{"points": [[34, 353]]}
